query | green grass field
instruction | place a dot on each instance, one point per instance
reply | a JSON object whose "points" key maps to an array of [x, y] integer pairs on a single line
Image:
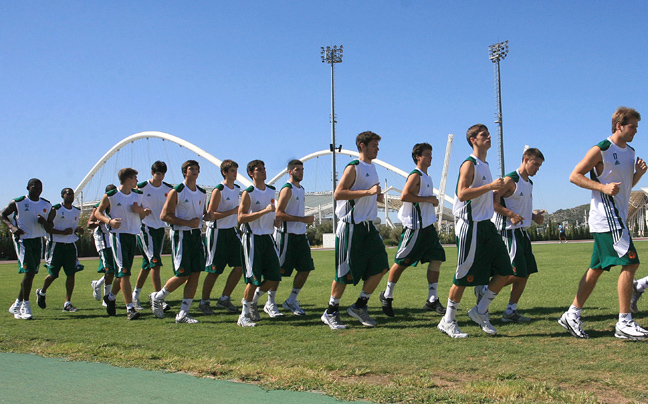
{"points": [[404, 359]]}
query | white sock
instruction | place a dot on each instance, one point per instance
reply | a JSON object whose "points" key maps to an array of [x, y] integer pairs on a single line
{"points": [[364, 295], [162, 294], [130, 307], [136, 293], [271, 296], [257, 294], [107, 288], [293, 295], [223, 298], [112, 297], [486, 301], [389, 290], [42, 293], [66, 303], [184, 307], [641, 284], [432, 292], [510, 308], [625, 317], [574, 311], [101, 280], [245, 311], [333, 301], [451, 311]]}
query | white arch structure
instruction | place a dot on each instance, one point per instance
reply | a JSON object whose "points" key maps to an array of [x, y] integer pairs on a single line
{"points": [[150, 134]]}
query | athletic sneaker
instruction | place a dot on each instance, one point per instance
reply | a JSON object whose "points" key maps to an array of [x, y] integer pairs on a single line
{"points": [[245, 321], [166, 306], [434, 306], [479, 293], [205, 308], [137, 305], [96, 290], [272, 310], [451, 329], [515, 317], [156, 305], [386, 304], [482, 320], [25, 311], [15, 307], [636, 295], [227, 305], [16, 311], [111, 306], [573, 325], [293, 307], [254, 312], [185, 319], [132, 314], [333, 321], [630, 330], [68, 308], [40, 299], [361, 314]]}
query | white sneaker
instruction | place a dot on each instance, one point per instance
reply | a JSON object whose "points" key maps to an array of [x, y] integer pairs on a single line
{"points": [[157, 306], [25, 311], [636, 295], [96, 290], [451, 329], [294, 308], [515, 317], [272, 310], [333, 321], [630, 330], [361, 314], [16, 309], [136, 305], [245, 321], [573, 325], [187, 319], [254, 312], [482, 320]]}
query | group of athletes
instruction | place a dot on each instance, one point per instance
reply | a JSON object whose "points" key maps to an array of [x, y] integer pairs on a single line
{"points": [[266, 241]]}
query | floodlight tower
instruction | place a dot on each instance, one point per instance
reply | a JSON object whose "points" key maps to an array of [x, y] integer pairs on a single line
{"points": [[333, 55], [498, 52]]}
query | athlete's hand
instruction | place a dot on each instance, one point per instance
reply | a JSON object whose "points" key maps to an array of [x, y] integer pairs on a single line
{"points": [[147, 212], [115, 223], [611, 189], [270, 208], [16, 231], [538, 216], [193, 223], [69, 230], [375, 190], [433, 200], [640, 166], [497, 184], [308, 219], [41, 219], [515, 219]]}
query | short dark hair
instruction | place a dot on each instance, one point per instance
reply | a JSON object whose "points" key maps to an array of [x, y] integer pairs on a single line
{"points": [[110, 187], [126, 173], [365, 138], [622, 115], [418, 150], [33, 181], [159, 167], [64, 191], [294, 163], [532, 152], [254, 164], [226, 165], [473, 131], [188, 164]]}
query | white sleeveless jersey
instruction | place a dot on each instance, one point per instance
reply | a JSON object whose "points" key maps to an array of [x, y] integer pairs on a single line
{"points": [[26, 217], [258, 201], [480, 208], [608, 213], [295, 207], [120, 208], [66, 218], [101, 233], [520, 202], [154, 198], [191, 204], [365, 208], [229, 199], [419, 215]]}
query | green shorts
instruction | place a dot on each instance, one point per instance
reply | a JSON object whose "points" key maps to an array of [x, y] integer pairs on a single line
{"points": [[481, 253], [604, 256], [29, 253], [294, 253], [106, 262], [150, 242], [188, 251], [420, 245], [518, 244], [223, 248], [123, 246], [63, 255], [359, 252], [260, 258]]}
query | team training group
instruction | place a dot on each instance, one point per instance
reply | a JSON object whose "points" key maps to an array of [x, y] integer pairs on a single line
{"points": [[266, 241]]}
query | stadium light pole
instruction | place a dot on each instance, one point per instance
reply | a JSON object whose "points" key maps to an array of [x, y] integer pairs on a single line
{"points": [[498, 52], [333, 55]]}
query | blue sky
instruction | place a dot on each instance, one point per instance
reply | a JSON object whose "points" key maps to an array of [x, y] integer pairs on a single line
{"points": [[244, 80]]}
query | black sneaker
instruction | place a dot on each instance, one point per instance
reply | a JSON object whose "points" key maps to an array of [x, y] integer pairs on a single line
{"points": [[435, 306], [132, 314], [40, 299], [111, 307], [386, 304]]}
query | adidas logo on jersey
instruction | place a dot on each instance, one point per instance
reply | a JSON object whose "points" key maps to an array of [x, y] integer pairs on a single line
{"points": [[258, 203], [616, 163], [521, 193], [118, 204], [148, 194], [186, 200], [484, 177], [227, 199], [367, 174]]}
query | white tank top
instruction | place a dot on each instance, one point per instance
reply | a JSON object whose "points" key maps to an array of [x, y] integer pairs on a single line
{"points": [[419, 215], [520, 202], [258, 201], [26, 217], [120, 208], [295, 207], [191, 204], [65, 219], [364, 208], [480, 208], [154, 198], [229, 199]]}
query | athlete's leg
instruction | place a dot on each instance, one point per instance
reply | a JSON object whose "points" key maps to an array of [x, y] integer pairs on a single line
{"points": [[625, 286], [586, 286]]}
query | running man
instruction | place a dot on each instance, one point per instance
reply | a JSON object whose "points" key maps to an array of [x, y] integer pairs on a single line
{"points": [[223, 240], [513, 216], [561, 234], [124, 222], [256, 214], [294, 249], [613, 172], [359, 250], [101, 235], [419, 239], [28, 227], [150, 240], [482, 258], [61, 250], [184, 211]]}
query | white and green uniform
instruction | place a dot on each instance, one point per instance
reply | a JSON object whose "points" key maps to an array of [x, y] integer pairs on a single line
{"points": [[152, 232], [222, 239], [29, 245], [101, 236], [123, 240], [293, 245], [61, 249], [188, 249]]}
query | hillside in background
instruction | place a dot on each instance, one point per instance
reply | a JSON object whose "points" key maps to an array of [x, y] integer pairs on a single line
{"points": [[572, 215]]}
